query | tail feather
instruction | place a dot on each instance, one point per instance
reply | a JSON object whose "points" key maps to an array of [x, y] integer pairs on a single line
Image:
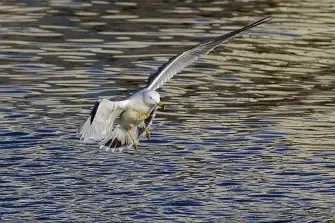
{"points": [[118, 139]]}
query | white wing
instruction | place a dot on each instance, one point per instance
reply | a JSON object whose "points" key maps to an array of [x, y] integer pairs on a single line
{"points": [[179, 62], [100, 122]]}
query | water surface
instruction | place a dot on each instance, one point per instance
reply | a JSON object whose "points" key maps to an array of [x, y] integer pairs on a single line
{"points": [[250, 131]]}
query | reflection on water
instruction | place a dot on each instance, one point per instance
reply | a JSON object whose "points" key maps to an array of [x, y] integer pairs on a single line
{"points": [[249, 134]]}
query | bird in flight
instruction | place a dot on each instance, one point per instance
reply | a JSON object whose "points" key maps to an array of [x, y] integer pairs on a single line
{"points": [[136, 113]]}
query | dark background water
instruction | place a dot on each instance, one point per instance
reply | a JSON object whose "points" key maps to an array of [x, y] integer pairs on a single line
{"points": [[250, 131]]}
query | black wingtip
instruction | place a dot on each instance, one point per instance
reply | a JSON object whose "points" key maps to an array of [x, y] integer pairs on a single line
{"points": [[263, 20], [94, 111]]}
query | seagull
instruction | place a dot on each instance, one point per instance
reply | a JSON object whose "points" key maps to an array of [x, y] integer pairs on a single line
{"points": [[135, 114]]}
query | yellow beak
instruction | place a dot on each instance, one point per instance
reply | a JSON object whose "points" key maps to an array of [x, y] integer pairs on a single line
{"points": [[160, 104]]}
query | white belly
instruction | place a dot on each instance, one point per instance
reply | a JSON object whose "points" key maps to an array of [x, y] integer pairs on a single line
{"points": [[132, 118]]}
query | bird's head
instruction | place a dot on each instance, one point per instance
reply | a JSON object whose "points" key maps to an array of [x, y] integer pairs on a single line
{"points": [[152, 98]]}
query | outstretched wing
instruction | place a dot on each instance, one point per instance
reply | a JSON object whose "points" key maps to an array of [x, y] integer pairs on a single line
{"points": [[179, 62], [100, 122]]}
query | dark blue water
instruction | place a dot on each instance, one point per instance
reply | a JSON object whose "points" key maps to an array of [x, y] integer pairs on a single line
{"points": [[249, 134]]}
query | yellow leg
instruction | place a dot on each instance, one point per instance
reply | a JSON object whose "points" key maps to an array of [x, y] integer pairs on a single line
{"points": [[134, 141], [147, 115], [147, 132], [142, 116]]}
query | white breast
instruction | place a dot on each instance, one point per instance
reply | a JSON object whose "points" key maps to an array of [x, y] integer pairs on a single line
{"points": [[131, 118]]}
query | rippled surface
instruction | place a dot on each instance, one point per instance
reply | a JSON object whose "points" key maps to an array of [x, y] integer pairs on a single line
{"points": [[250, 131]]}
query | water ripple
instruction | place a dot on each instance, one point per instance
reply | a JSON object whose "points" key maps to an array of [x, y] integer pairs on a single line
{"points": [[248, 134]]}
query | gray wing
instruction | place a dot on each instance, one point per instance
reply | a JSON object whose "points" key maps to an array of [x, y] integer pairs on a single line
{"points": [[179, 62]]}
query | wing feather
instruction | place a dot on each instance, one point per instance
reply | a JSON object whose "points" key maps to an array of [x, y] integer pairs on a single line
{"points": [[179, 62], [100, 122]]}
